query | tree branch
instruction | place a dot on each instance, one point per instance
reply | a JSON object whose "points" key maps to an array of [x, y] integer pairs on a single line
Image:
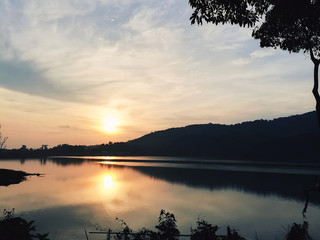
{"points": [[313, 58], [315, 92]]}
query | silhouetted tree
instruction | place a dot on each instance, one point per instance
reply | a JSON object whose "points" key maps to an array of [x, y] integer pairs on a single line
{"points": [[44, 147], [204, 230], [289, 25], [167, 226], [23, 147], [298, 232], [167, 229], [2, 140], [233, 234]]}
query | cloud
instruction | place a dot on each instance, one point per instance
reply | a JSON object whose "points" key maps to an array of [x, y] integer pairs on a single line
{"points": [[241, 61], [66, 61], [262, 53], [72, 54], [256, 55], [78, 58]]}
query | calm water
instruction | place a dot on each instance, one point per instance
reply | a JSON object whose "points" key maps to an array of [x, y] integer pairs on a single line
{"points": [[73, 194]]}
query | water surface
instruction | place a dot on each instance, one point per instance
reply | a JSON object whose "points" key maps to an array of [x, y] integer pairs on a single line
{"points": [[75, 194]]}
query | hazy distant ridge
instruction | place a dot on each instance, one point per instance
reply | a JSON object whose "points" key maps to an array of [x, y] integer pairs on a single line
{"points": [[295, 137]]}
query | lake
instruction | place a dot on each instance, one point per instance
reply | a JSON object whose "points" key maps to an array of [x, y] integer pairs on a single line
{"points": [[258, 199]]}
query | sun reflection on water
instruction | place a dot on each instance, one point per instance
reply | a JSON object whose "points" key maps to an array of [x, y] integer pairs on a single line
{"points": [[108, 182]]}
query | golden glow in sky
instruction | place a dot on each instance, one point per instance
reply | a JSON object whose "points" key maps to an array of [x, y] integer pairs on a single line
{"points": [[128, 68], [110, 123]]}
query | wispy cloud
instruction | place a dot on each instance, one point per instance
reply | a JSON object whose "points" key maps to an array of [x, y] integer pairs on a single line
{"points": [[69, 63]]}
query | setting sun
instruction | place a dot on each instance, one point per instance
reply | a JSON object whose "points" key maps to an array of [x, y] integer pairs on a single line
{"points": [[110, 123]]}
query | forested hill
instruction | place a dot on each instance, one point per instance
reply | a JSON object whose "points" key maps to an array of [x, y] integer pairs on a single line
{"points": [[288, 138], [294, 138]]}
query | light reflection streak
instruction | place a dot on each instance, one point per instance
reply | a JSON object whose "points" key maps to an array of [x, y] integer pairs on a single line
{"points": [[106, 162]]}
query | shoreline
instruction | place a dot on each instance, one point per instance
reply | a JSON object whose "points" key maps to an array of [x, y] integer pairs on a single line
{"points": [[8, 176]]}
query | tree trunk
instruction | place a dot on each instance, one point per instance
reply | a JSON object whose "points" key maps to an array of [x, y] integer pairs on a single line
{"points": [[315, 92]]}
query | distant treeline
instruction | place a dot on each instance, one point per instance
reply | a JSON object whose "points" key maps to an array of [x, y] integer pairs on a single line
{"points": [[294, 138], [60, 150]]}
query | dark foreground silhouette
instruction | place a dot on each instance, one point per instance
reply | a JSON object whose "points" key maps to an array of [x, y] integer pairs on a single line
{"points": [[17, 228], [167, 230], [8, 177]]}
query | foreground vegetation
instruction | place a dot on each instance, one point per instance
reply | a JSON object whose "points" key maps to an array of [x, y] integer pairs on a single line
{"points": [[167, 230], [17, 228]]}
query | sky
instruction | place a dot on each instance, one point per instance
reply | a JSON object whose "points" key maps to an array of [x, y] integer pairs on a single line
{"points": [[85, 72]]}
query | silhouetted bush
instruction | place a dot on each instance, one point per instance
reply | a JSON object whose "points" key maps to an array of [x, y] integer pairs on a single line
{"points": [[298, 232], [167, 230], [17, 228], [232, 234], [167, 226], [126, 231], [204, 230]]}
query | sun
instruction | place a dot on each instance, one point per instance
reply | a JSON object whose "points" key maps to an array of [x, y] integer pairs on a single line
{"points": [[110, 123]]}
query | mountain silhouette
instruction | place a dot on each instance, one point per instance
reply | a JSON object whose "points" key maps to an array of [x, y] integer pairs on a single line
{"points": [[294, 138], [287, 138]]}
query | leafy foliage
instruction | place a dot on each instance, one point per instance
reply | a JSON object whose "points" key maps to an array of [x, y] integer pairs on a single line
{"points": [[167, 226], [16, 228], [245, 13], [204, 230], [232, 234], [298, 232], [289, 25], [126, 231], [167, 229]]}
